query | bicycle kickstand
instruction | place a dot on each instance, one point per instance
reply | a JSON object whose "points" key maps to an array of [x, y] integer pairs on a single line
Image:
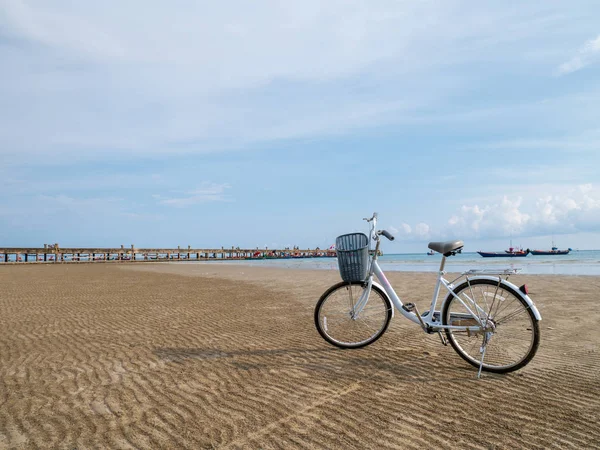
{"points": [[482, 350], [442, 338]]}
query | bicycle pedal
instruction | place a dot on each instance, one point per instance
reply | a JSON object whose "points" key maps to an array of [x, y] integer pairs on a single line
{"points": [[409, 307]]}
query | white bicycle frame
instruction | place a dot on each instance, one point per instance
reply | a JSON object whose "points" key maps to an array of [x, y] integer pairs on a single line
{"points": [[428, 320]]}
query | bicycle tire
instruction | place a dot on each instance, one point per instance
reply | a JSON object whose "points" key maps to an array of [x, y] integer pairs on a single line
{"points": [[519, 324], [342, 293]]}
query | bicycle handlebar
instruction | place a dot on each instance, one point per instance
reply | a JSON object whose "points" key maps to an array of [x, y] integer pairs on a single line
{"points": [[387, 235], [374, 234]]}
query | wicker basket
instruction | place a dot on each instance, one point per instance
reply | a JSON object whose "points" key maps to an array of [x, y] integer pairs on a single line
{"points": [[353, 256]]}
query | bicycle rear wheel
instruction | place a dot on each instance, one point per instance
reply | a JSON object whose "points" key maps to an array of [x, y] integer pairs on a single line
{"points": [[513, 333], [337, 322]]}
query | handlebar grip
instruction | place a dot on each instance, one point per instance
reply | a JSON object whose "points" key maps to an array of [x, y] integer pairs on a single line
{"points": [[387, 235]]}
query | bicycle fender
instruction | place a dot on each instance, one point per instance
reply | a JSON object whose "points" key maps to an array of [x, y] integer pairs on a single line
{"points": [[386, 296], [525, 297]]}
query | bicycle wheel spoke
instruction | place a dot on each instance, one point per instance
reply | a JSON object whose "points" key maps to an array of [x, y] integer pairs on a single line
{"points": [[502, 296], [485, 294], [336, 320], [363, 324], [335, 313], [511, 340], [370, 312], [506, 306], [475, 347], [511, 316], [484, 300]]}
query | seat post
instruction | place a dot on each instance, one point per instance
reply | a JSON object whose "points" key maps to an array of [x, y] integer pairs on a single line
{"points": [[443, 263]]}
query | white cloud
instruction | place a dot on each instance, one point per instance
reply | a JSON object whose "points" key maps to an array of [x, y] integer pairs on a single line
{"points": [[45, 211], [404, 229], [73, 204], [142, 216], [576, 210], [421, 231], [504, 218], [50, 205], [208, 192], [588, 54], [196, 78]]}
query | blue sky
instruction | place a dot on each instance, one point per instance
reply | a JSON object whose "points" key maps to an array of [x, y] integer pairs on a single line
{"points": [[277, 124]]}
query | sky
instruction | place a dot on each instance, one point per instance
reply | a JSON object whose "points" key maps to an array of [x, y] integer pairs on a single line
{"points": [[274, 124]]}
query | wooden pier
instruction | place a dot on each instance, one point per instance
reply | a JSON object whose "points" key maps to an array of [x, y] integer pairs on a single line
{"points": [[55, 254]]}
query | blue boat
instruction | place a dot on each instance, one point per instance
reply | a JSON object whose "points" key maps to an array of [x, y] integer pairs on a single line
{"points": [[554, 251], [506, 254]]}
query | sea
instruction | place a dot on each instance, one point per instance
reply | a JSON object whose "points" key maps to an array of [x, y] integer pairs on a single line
{"points": [[578, 262]]}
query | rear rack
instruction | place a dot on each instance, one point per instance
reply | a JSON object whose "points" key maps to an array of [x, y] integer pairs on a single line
{"points": [[492, 271]]}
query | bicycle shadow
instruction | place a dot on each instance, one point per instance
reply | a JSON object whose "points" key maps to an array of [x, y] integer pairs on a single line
{"points": [[412, 366], [181, 354]]}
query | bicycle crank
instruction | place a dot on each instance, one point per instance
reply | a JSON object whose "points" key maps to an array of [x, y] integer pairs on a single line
{"points": [[411, 307]]}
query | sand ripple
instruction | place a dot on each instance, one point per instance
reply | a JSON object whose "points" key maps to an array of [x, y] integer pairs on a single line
{"points": [[113, 357]]}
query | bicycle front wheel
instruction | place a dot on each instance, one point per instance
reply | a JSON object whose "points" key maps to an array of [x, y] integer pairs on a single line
{"points": [[339, 324], [511, 335]]}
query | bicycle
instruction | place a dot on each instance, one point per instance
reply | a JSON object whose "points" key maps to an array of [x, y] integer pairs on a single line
{"points": [[491, 323]]}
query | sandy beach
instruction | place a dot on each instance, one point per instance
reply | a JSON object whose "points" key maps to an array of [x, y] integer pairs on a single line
{"points": [[227, 356]]}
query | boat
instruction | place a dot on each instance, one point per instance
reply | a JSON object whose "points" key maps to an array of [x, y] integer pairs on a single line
{"points": [[505, 254], [512, 252], [554, 251], [430, 252]]}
